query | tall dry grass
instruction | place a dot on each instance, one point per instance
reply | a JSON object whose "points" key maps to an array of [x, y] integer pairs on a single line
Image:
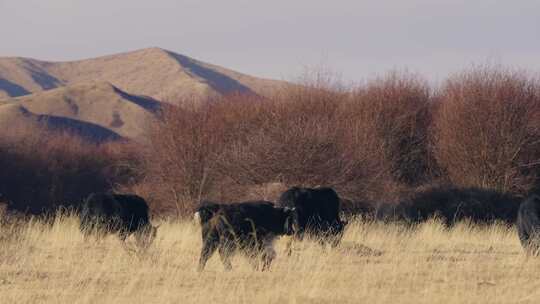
{"points": [[467, 264]]}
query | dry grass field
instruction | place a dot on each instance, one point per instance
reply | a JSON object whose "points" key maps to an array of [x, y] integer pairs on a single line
{"points": [[40, 263]]}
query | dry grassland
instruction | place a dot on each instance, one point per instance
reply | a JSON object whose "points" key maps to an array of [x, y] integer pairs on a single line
{"points": [[466, 264]]}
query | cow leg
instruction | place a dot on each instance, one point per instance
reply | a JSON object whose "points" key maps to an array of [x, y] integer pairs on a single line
{"points": [[334, 242], [129, 248], [123, 235], [335, 239], [209, 247], [523, 237], [268, 254], [253, 255], [86, 234], [92, 230], [336, 232], [100, 235], [141, 240], [322, 239], [144, 238], [225, 253], [293, 240], [254, 261], [289, 246], [533, 244]]}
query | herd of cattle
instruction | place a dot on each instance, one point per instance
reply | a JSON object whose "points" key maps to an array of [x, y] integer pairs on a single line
{"points": [[251, 227]]}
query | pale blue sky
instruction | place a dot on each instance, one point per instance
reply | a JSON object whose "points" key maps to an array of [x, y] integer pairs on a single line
{"points": [[279, 38]]}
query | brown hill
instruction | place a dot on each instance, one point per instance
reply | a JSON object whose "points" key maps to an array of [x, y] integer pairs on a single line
{"points": [[17, 118], [154, 72], [99, 104], [108, 95]]}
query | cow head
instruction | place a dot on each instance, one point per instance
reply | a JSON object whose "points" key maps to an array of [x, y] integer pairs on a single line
{"points": [[291, 221], [206, 211]]}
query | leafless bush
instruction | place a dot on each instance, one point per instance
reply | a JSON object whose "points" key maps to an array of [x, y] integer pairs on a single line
{"points": [[378, 142], [179, 167], [41, 170], [398, 107], [304, 135], [487, 129]]}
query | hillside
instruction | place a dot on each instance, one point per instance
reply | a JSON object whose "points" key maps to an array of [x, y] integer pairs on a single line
{"points": [[154, 72], [100, 104], [113, 96], [15, 116]]}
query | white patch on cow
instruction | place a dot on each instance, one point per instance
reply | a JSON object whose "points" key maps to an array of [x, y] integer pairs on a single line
{"points": [[197, 217]]}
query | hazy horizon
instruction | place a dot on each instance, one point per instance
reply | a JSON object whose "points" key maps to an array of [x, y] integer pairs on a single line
{"points": [[280, 39]]}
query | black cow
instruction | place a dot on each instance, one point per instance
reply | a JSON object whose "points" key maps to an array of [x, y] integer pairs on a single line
{"points": [[451, 205], [117, 213], [250, 227], [318, 213], [528, 224]]}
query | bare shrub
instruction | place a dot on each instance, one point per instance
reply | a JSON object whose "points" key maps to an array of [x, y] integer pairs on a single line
{"points": [[398, 107], [375, 143], [296, 140], [308, 135], [42, 170], [487, 129], [179, 166]]}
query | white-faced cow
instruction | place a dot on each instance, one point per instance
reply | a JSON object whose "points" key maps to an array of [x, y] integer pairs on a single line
{"points": [[249, 227], [318, 213], [123, 214]]}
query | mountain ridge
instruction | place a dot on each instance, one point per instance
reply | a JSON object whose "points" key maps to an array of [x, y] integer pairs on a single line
{"points": [[122, 93], [161, 74]]}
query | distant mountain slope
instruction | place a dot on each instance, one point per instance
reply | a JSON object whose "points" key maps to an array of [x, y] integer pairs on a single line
{"points": [[114, 96], [99, 104], [22, 76], [154, 72], [13, 115]]}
